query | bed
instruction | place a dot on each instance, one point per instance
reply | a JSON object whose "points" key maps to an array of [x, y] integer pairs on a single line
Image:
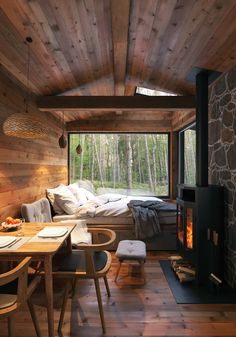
{"points": [[110, 210]]}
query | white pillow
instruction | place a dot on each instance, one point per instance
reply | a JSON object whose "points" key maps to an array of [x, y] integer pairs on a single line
{"points": [[79, 193], [86, 184], [67, 201], [50, 194], [89, 195]]}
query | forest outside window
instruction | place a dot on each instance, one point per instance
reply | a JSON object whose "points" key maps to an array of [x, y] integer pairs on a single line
{"points": [[131, 164], [187, 155]]}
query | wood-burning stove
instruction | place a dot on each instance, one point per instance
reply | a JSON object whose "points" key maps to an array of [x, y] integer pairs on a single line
{"points": [[200, 229], [200, 207]]}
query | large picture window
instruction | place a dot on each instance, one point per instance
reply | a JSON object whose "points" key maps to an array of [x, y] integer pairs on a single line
{"points": [[187, 155], [133, 164]]}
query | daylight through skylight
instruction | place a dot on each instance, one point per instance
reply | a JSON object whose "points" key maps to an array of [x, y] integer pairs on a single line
{"points": [[151, 92]]}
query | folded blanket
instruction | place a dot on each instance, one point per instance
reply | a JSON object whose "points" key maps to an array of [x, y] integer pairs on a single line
{"points": [[145, 215]]}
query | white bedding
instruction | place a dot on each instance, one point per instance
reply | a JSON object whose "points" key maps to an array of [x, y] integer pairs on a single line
{"points": [[112, 209], [108, 205], [120, 208], [76, 203]]}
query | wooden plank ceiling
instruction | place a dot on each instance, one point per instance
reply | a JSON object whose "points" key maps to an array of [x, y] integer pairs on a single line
{"points": [[108, 47]]}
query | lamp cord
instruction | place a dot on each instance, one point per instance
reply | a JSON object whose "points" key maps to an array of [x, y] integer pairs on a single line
{"points": [[28, 41], [63, 120]]}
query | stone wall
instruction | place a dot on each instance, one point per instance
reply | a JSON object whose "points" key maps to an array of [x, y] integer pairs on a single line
{"points": [[222, 159]]}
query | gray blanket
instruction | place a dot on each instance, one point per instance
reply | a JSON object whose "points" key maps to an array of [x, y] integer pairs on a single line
{"points": [[145, 215]]}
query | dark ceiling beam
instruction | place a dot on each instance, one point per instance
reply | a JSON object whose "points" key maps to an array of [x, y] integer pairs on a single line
{"points": [[113, 125], [76, 103], [120, 31]]}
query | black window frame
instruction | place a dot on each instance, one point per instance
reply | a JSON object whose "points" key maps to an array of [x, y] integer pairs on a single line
{"points": [[181, 148]]}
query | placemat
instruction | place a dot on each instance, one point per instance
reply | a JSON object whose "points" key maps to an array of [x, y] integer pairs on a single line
{"points": [[42, 239], [17, 244]]}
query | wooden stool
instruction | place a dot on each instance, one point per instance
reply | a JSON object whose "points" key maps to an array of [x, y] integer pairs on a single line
{"points": [[131, 250]]}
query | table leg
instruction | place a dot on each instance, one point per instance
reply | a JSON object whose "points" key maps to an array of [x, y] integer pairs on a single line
{"points": [[69, 244], [49, 293]]}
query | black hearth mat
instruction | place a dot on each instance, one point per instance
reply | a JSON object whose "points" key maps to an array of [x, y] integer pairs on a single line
{"points": [[189, 293]]}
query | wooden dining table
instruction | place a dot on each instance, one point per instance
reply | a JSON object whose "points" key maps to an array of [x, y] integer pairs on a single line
{"points": [[40, 249]]}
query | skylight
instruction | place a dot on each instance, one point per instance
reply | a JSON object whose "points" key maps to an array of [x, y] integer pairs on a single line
{"points": [[151, 92]]}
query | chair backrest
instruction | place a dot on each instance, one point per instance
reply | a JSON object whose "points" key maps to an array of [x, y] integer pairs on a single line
{"points": [[90, 259], [38, 211], [96, 252], [12, 293]]}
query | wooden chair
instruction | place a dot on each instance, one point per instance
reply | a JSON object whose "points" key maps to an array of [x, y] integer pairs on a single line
{"points": [[89, 262], [15, 289]]}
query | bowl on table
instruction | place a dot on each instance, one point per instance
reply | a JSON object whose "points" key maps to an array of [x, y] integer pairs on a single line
{"points": [[12, 225]]}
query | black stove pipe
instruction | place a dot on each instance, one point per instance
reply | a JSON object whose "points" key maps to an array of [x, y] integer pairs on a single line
{"points": [[202, 129]]}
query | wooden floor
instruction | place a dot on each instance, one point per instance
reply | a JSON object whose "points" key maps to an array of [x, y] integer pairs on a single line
{"points": [[133, 310]]}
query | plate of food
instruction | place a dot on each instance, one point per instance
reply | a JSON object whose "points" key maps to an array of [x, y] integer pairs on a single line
{"points": [[11, 223]]}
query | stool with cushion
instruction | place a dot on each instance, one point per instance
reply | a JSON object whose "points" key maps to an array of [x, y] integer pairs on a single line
{"points": [[131, 250]]}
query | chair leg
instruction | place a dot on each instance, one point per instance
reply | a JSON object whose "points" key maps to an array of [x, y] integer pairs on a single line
{"points": [[11, 327], [99, 299], [73, 287], [34, 317], [63, 308], [107, 286], [142, 270], [118, 270]]}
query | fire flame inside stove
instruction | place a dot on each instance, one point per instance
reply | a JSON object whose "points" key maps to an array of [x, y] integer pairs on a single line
{"points": [[189, 234]]}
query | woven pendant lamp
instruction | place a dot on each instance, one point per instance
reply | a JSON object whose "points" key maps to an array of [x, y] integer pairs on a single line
{"points": [[79, 149], [25, 124]]}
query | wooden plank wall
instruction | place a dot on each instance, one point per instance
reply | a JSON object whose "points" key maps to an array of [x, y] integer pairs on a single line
{"points": [[181, 119], [27, 167]]}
